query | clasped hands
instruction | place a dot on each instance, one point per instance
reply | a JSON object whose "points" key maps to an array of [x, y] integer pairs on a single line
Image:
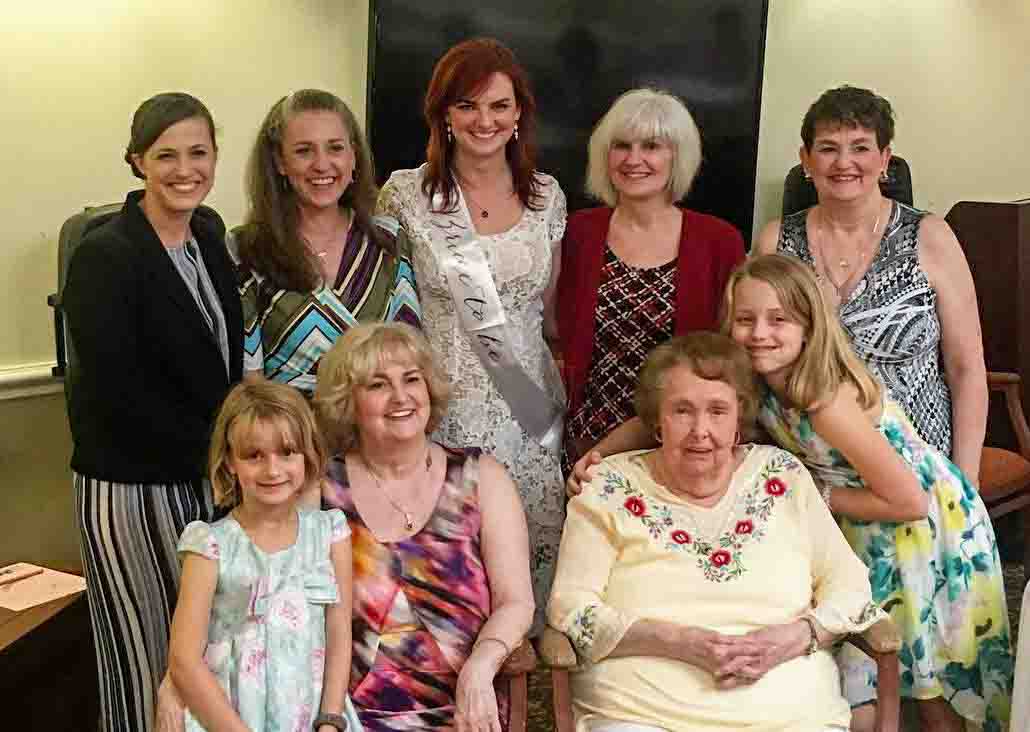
{"points": [[737, 660]]}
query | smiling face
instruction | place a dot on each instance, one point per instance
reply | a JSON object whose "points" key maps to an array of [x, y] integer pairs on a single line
{"points": [[640, 169], [844, 161], [179, 168], [317, 158], [394, 404], [761, 324], [698, 421], [483, 124], [268, 463]]}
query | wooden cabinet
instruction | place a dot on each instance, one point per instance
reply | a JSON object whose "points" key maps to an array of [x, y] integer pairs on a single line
{"points": [[996, 241]]}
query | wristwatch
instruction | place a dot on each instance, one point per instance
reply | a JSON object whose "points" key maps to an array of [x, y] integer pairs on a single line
{"points": [[333, 720], [813, 645]]}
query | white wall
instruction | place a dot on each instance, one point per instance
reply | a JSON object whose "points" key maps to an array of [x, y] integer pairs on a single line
{"points": [[73, 71], [71, 74], [956, 72]]}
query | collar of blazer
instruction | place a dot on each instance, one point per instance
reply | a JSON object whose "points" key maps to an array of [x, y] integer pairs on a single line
{"points": [[209, 231]]}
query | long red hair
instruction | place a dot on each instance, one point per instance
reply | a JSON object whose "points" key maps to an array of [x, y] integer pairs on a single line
{"points": [[462, 73]]}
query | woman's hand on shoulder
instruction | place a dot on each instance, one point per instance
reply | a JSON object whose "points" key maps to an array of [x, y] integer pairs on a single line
{"points": [[582, 473]]}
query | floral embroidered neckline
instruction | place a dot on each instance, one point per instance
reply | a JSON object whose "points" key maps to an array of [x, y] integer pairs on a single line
{"points": [[720, 557]]}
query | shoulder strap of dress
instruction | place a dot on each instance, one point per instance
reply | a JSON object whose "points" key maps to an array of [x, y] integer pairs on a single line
{"points": [[793, 236]]}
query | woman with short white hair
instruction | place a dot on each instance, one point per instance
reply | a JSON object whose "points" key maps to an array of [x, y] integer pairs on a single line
{"points": [[637, 270]]}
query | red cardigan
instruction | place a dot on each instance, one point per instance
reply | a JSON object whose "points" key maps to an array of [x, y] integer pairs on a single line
{"points": [[709, 250]]}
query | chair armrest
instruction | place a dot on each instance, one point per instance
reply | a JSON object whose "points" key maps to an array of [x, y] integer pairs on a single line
{"points": [[1009, 384], [998, 379], [556, 649], [522, 660], [878, 639]]}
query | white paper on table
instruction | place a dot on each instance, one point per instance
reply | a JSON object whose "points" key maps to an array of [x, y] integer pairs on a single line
{"points": [[39, 589]]}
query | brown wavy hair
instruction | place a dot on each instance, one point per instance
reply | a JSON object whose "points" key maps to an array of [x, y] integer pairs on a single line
{"points": [[463, 73], [270, 241], [711, 356]]}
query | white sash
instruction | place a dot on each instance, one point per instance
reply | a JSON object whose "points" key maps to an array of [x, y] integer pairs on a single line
{"points": [[481, 314]]}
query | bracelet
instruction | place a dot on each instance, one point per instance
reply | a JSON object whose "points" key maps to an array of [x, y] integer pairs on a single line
{"points": [[507, 651], [813, 645], [333, 720], [825, 491]]}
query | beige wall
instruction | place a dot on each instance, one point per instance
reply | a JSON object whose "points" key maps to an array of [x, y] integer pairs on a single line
{"points": [[955, 71], [72, 72]]}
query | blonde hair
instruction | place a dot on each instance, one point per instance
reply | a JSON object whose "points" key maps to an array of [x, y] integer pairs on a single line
{"points": [[826, 360], [353, 361], [246, 406], [642, 114], [711, 356]]}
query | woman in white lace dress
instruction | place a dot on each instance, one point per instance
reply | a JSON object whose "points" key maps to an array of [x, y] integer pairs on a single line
{"points": [[479, 190]]}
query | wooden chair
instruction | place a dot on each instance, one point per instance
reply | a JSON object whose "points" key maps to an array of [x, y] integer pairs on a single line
{"points": [[516, 670], [881, 642], [1004, 474]]}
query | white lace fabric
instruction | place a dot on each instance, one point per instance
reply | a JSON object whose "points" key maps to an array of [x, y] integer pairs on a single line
{"points": [[520, 262]]}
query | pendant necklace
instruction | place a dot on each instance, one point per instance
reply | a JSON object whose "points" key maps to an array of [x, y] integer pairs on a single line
{"points": [[843, 263], [409, 521], [484, 212]]}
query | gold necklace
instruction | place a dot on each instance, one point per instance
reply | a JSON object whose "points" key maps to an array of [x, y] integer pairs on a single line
{"points": [[332, 240], [484, 212], [409, 522], [843, 263]]}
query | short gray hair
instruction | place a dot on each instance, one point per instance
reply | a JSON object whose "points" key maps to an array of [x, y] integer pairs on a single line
{"points": [[641, 114]]}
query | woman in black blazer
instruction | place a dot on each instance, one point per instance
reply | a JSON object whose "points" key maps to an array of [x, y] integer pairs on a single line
{"points": [[155, 320]]}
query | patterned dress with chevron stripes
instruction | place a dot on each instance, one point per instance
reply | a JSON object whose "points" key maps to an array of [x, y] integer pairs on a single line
{"points": [[891, 319], [286, 333]]}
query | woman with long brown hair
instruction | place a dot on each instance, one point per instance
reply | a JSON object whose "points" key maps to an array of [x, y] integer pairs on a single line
{"points": [[486, 230], [313, 260]]}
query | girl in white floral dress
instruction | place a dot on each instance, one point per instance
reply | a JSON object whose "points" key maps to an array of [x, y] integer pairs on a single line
{"points": [[261, 635], [480, 179]]}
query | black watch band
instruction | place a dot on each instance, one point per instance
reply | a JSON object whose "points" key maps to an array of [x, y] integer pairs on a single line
{"points": [[335, 720]]}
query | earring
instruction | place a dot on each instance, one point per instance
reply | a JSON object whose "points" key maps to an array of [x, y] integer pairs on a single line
{"points": [[450, 135], [516, 134], [808, 176], [658, 434], [284, 183], [884, 178]]}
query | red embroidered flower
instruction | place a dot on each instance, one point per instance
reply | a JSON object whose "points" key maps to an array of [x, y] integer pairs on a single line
{"points": [[720, 558], [744, 527], [635, 506], [775, 487], [680, 536]]}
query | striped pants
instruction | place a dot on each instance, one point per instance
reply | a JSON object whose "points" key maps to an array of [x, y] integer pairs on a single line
{"points": [[129, 533]]}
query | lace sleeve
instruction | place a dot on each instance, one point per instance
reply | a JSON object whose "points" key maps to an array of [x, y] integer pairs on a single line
{"points": [[391, 200], [557, 215]]}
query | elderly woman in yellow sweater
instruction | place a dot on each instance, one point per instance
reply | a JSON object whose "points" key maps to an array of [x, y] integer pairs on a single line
{"points": [[703, 582]]}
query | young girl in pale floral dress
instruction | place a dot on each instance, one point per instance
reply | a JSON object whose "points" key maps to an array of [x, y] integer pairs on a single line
{"points": [[261, 636], [908, 512]]}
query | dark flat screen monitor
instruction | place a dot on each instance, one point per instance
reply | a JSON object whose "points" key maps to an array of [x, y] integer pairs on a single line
{"points": [[580, 56]]}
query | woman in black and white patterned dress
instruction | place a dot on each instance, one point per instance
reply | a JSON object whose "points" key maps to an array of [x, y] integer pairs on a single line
{"points": [[897, 275]]}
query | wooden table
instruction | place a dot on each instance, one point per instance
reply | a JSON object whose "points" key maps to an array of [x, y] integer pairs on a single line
{"points": [[48, 667]]}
